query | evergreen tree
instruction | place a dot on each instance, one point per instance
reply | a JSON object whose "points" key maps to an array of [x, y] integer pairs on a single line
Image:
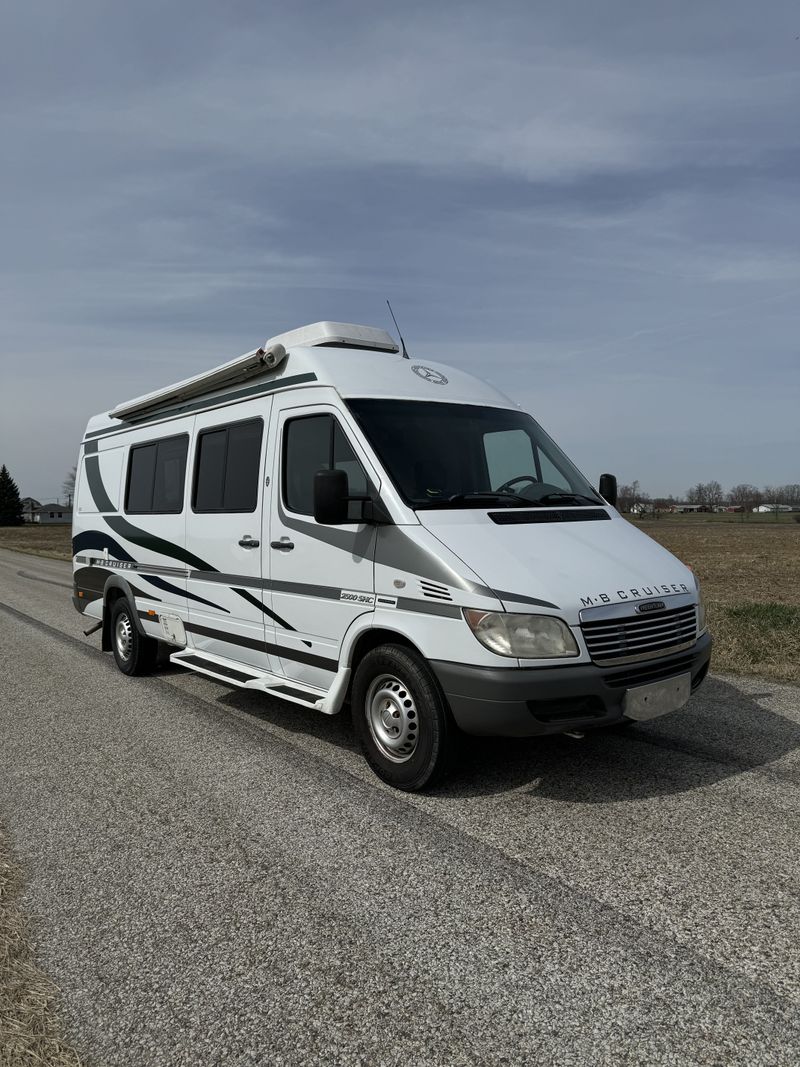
{"points": [[10, 504]]}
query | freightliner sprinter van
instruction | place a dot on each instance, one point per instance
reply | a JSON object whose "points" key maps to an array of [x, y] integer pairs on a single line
{"points": [[328, 521]]}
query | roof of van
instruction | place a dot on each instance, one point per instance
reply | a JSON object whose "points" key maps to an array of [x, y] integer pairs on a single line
{"points": [[351, 371]]}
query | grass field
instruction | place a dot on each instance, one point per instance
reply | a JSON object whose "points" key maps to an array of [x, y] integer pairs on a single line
{"points": [[52, 541], [750, 572]]}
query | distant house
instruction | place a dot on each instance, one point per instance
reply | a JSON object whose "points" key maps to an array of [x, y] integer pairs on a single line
{"points": [[771, 508], [685, 509], [49, 514], [29, 506]]}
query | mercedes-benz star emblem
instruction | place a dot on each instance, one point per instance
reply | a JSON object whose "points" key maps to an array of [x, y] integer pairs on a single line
{"points": [[429, 374]]}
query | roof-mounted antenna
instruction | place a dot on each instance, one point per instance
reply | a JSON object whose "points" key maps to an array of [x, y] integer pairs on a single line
{"points": [[402, 342]]}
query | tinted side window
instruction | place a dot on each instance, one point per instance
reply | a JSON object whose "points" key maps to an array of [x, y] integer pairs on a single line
{"points": [[141, 475], [228, 462], [156, 475], [312, 443], [307, 449], [241, 468], [210, 474], [170, 475], [345, 459]]}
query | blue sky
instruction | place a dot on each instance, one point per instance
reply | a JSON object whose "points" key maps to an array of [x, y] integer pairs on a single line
{"points": [[595, 206]]}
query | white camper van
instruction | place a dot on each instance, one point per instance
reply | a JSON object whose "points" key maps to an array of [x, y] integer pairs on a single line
{"points": [[329, 521]]}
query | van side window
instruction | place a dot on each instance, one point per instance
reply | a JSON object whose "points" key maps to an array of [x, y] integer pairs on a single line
{"points": [[227, 465], [156, 476], [311, 443]]}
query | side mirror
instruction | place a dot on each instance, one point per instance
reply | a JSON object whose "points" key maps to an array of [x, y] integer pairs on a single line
{"points": [[608, 489], [331, 494]]}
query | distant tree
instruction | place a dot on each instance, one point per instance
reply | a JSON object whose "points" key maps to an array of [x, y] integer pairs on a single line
{"points": [[697, 494], [791, 494], [628, 496], [660, 504], [775, 494], [625, 495], [714, 494], [10, 504], [745, 496], [68, 485]]}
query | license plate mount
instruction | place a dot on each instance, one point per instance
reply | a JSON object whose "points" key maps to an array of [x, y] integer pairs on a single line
{"points": [[657, 698]]}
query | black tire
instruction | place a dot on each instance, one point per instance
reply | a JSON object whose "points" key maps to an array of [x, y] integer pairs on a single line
{"points": [[393, 689], [134, 654]]}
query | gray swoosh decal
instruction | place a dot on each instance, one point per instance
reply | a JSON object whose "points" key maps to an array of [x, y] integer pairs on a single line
{"points": [[102, 541], [102, 501], [153, 543], [449, 611], [263, 607], [358, 543], [397, 549], [519, 598], [167, 587]]}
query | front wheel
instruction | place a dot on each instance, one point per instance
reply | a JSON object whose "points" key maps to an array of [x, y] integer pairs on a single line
{"points": [[134, 653], [401, 718]]}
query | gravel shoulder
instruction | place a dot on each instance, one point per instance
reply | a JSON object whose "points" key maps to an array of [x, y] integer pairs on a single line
{"points": [[215, 877]]}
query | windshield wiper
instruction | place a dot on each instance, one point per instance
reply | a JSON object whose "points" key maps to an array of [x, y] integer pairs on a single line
{"points": [[551, 497], [466, 498], [478, 498]]}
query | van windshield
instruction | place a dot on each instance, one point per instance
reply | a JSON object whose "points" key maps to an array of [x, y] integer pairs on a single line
{"points": [[463, 455]]}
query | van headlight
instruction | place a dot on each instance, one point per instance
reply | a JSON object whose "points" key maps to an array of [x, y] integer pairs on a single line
{"points": [[701, 608], [521, 636]]}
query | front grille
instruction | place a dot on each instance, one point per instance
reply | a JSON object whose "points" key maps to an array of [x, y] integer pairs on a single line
{"points": [[648, 672], [630, 638], [568, 709]]}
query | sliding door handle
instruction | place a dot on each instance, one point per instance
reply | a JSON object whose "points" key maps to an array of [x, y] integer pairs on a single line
{"points": [[284, 545], [248, 542]]}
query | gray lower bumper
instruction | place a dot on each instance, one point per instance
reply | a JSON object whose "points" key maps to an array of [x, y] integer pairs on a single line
{"points": [[523, 701]]}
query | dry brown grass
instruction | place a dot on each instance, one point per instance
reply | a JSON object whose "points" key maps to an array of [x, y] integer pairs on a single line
{"points": [[52, 541], [29, 1028], [750, 573]]}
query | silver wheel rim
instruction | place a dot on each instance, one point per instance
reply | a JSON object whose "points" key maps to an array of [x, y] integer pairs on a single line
{"points": [[392, 717], [123, 635]]}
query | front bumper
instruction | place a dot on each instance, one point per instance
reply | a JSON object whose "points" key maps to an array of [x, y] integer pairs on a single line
{"points": [[524, 701]]}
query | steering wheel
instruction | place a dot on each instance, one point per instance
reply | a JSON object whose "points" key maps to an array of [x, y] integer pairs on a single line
{"points": [[507, 486]]}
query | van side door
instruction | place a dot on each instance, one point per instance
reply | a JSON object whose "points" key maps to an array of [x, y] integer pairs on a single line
{"points": [[322, 577], [229, 606]]}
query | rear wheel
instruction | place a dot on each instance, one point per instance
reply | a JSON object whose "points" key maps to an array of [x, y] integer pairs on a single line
{"points": [[134, 653], [401, 718]]}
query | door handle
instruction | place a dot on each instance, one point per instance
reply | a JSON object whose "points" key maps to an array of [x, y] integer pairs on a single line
{"points": [[248, 542], [284, 545]]}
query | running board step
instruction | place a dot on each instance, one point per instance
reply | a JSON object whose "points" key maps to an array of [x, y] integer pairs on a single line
{"points": [[246, 677]]}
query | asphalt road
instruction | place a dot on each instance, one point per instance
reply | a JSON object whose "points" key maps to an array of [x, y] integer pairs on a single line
{"points": [[215, 877]]}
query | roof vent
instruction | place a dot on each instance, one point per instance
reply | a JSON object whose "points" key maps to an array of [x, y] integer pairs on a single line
{"points": [[336, 335]]}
